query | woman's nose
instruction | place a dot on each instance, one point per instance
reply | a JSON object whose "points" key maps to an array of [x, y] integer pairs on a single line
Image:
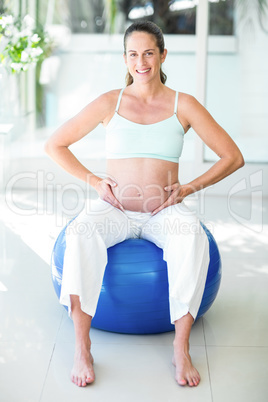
{"points": [[141, 61]]}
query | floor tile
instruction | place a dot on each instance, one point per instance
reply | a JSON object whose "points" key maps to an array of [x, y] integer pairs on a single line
{"points": [[134, 373], [238, 374], [236, 241], [21, 269], [38, 217], [23, 368], [33, 317], [239, 315]]}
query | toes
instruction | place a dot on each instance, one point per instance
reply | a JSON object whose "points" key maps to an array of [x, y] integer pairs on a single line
{"points": [[78, 381], [74, 379], [82, 381], [182, 382], [197, 380], [192, 382], [89, 379]]}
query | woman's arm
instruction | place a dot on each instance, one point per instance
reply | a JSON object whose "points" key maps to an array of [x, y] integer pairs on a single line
{"points": [[57, 146], [215, 137]]}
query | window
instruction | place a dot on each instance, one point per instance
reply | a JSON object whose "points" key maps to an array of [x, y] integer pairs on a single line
{"points": [[174, 17]]}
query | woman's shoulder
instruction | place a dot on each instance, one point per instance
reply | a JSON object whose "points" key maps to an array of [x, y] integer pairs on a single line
{"points": [[107, 104], [186, 98], [187, 102], [109, 98]]}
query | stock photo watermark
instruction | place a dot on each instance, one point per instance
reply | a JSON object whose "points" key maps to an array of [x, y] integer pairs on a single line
{"points": [[51, 198], [134, 227], [253, 187]]}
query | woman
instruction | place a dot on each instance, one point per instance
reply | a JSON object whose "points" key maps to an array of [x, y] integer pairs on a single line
{"points": [[145, 125]]}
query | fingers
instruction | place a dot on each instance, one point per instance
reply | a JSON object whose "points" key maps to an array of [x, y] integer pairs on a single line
{"points": [[106, 194], [110, 182], [104, 185], [172, 200], [172, 187], [115, 203], [113, 200], [166, 204]]}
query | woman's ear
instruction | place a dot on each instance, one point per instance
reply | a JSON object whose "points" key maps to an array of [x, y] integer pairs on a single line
{"points": [[163, 56]]}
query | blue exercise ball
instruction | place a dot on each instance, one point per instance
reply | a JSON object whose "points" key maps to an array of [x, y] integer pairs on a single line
{"points": [[134, 294]]}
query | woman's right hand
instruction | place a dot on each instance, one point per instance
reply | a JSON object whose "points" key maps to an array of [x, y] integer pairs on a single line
{"points": [[104, 189]]}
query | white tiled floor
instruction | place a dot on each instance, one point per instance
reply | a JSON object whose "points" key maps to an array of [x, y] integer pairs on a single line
{"points": [[229, 345]]}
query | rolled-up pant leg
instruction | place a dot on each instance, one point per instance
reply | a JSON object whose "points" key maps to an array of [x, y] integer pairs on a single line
{"points": [[96, 228], [185, 246]]}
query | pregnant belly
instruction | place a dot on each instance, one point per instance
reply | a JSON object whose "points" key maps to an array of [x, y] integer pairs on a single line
{"points": [[140, 198], [141, 182]]}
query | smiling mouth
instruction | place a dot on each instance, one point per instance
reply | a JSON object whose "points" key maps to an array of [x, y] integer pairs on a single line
{"points": [[143, 71]]}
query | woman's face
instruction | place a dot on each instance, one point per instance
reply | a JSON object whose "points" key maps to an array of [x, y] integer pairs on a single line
{"points": [[143, 57]]}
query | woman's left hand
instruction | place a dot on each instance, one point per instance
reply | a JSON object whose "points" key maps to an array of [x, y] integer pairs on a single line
{"points": [[177, 193]]}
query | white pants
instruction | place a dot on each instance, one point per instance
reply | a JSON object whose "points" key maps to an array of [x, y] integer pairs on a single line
{"points": [[175, 229]]}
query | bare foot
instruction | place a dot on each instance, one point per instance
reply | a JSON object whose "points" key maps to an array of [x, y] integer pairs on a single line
{"points": [[186, 373], [83, 372]]}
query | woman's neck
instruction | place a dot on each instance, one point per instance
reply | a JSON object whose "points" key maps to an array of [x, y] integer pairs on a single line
{"points": [[146, 91]]}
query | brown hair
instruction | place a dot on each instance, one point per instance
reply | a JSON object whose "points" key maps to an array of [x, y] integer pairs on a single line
{"points": [[152, 29]]}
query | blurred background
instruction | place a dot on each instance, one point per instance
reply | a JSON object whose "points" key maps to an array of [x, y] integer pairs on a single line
{"points": [[82, 43]]}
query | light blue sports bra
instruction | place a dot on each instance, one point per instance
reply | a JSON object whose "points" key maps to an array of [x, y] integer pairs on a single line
{"points": [[162, 140]]}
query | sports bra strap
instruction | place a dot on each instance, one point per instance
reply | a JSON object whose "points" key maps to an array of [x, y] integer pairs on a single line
{"points": [[119, 99], [176, 102], [121, 93]]}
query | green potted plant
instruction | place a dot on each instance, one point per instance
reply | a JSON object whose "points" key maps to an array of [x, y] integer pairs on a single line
{"points": [[22, 44]]}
